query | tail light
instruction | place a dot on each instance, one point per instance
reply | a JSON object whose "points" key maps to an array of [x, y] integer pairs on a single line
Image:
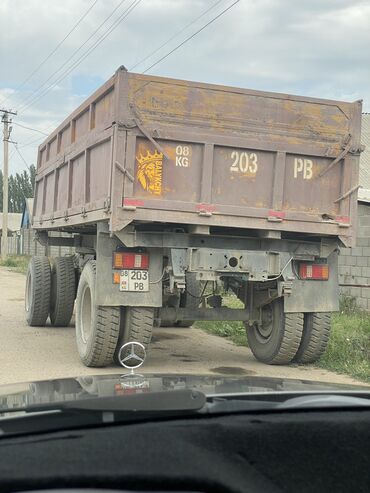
{"points": [[316, 272], [130, 260]]}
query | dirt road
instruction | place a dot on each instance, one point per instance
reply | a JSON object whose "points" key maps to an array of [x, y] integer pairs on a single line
{"points": [[31, 353]]}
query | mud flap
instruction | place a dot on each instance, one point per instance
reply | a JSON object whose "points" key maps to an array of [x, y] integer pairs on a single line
{"points": [[315, 296], [107, 293]]}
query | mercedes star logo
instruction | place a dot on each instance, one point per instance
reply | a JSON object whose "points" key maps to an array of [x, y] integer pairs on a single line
{"points": [[132, 355]]}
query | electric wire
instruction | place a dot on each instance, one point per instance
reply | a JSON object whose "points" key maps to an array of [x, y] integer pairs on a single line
{"points": [[32, 143], [30, 128], [191, 37], [160, 279], [87, 52], [29, 98], [42, 63], [20, 155], [281, 272], [175, 35]]}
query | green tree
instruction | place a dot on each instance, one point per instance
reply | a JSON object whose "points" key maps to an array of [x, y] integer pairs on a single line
{"points": [[21, 186]]}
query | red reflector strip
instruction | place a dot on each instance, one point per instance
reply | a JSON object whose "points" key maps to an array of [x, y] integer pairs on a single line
{"points": [[205, 207], [279, 214], [130, 260], [133, 202], [342, 219], [314, 271]]}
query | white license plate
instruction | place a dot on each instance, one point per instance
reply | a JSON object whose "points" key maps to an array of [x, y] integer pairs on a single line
{"points": [[134, 280]]}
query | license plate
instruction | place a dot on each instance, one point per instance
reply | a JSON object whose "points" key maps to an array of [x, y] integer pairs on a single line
{"points": [[134, 280]]}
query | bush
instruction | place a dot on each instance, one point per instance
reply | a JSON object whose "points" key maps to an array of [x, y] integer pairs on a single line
{"points": [[18, 263], [349, 345]]}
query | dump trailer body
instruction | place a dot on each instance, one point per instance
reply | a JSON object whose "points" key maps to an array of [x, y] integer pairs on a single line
{"points": [[150, 149]]}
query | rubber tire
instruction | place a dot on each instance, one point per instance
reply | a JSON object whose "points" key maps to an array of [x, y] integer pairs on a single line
{"points": [[281, 347], [37, 300], [62, 296], [315, 338], [97, 348], [137, 325], [188, 301]]}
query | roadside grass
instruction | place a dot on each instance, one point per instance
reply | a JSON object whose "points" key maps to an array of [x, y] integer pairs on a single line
{"points": [[349, 345], [234, 331], [348, 351], [16, 263]]}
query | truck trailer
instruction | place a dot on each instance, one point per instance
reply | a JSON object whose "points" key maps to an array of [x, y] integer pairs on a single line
{"points": [[175, 193]]}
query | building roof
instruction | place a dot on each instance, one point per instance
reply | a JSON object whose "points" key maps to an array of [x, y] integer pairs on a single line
{"points": [[365, 155], [14, 221]]}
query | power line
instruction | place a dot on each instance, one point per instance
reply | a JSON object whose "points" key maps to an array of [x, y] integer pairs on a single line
{"points": [[55, 49], [30, 143], [190, 37], [124, 14], [30, 128], [30, 98], [19, 152], [176, 34]]}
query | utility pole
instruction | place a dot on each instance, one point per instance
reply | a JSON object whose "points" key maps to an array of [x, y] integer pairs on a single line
{"points": [[6, 135]]}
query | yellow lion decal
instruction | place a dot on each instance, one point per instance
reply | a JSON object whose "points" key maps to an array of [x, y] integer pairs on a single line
{"points": [[149, 172]]}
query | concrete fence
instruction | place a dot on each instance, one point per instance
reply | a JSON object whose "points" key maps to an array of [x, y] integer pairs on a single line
{"points": [[24, 242], [354, 263]]}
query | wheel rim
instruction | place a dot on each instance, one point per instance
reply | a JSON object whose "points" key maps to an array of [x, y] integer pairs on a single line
{"points": [[264, 330], [86, 317], [28, 292]]}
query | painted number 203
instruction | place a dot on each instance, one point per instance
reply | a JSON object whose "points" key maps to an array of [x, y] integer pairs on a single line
{"points": [[244, 162]]}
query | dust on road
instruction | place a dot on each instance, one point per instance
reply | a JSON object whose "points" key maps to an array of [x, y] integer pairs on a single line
{"points": [[32, 353]]}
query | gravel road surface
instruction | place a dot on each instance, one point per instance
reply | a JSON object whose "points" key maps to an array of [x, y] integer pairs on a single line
{"points": [[32, 353]]}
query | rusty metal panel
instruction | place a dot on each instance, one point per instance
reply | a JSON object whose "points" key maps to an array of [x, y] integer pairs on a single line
{"points": [[64, 137], [52, 148], [175, 177], [306, 191], [80, 126], [48, 205], [78, 181], [42, 157], [242, 177], [62, 190], [99, 158], [104, 110], [37, 203], [267, 117]]}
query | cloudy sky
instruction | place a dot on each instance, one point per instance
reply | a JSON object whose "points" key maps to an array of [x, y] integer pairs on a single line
{"points": [[54, 53]]}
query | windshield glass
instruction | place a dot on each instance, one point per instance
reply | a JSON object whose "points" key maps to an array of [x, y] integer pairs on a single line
{"points": [[179, 197]]}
